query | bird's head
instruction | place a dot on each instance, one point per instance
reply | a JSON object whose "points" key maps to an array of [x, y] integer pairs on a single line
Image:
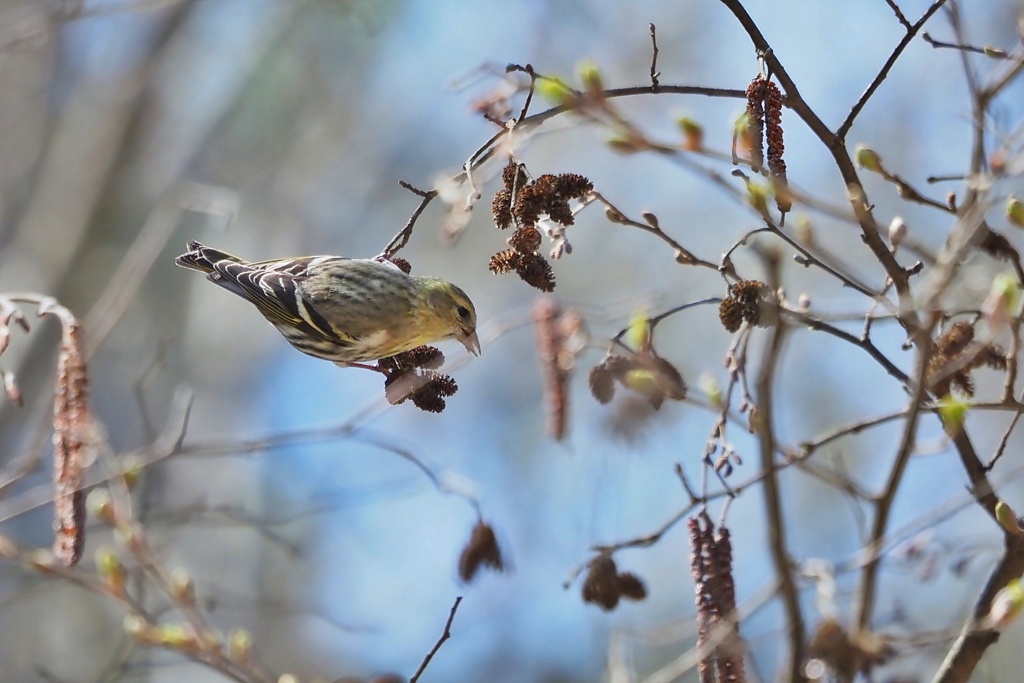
{"points": [[453, 312]]}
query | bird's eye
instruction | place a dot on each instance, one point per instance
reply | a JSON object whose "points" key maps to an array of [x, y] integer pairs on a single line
{"points": [[462, 312]]}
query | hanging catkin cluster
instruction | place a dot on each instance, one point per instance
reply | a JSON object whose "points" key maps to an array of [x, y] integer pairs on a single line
{"points": [[718, 644]]}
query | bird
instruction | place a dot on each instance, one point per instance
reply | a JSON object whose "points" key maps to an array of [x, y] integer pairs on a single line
{"points": [[345, 310]]}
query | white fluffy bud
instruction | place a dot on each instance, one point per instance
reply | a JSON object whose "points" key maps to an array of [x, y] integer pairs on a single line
{"points": [[897, 231]]}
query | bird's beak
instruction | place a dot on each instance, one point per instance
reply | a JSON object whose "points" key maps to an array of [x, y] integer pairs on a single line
{"points": [[471, 342]]}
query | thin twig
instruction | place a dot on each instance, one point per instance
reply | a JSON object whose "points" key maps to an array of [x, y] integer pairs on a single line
{"points": [[861, 342], [883, 73], [1003, 440], [994, 53], [655, 74], [683, 255], [402, 238], [440, 641], [899, 14]]}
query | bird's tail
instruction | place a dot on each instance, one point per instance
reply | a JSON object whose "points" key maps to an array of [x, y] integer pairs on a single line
{"points": [[200, 257]]}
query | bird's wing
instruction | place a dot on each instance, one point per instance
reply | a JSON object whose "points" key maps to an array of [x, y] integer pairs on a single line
{"points": [[274, 288]]}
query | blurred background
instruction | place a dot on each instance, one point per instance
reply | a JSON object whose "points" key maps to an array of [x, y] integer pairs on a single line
{"points": [[282, 127]]}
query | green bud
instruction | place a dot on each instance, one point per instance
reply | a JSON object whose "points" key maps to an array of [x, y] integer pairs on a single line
{"points": [[757, 197], [131, 470], [1009, 289], [555, 91], [177, 636], [1002, 301], [1015, 211], [100, 505], [868, 159], [110, 569], [693, 133], [1006, 606], [240, 646], [1007, 519], [638, 334], [590, 78], [755, 421], [953, 412], [712, 389], [642, 381], [139, 629], [107, 561], [182, 586], [804, 231], [626, 144]]}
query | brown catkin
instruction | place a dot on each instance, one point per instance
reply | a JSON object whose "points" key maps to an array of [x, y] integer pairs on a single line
{"points": [[545, 314], [776, 145], [72, 422], [755, 122]]}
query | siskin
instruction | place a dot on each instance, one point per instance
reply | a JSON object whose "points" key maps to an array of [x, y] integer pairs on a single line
{"points": [[344, 310]]}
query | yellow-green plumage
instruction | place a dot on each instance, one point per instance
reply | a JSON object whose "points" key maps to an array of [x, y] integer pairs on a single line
{"points": [[343, 310]]}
